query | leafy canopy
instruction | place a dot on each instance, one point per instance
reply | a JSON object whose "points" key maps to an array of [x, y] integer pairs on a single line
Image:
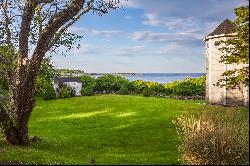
{"points": [[236, 52]]}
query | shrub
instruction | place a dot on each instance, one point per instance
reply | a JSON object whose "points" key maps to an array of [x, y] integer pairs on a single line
{"points": [[50, 93], [214, 137], [124, 90], [87, 80], [88, 85], [66, 91], [155, 87], [88, 91], [44, 88], [187, 87], [109, 83], [147, 92], [139, 86]]}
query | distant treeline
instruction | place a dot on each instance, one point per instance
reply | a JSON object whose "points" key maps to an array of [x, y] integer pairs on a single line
{"points": [[69, 72]]}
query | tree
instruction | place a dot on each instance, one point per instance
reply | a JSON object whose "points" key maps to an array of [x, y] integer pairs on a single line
{"points": [[236, 52], [28, 30], [43, 84]]}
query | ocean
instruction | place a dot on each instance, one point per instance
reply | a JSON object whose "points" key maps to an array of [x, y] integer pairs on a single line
{"points": [[157, 77]]}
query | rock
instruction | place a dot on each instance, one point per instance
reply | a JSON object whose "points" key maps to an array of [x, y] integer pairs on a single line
{"points": [[92, 161], [36, 139]]}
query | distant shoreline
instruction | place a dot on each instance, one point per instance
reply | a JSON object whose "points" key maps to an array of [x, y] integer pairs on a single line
{"points": [[138, 73]]}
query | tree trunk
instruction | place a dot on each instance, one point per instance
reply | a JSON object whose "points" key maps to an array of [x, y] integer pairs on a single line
{"points": [[12, 136], [17, 135], [17, 132]]}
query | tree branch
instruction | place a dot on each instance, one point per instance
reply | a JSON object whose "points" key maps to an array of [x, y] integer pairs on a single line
{"points": [[62, 30], [42, 1], [6, 22], [53, 26], [49, 32]]}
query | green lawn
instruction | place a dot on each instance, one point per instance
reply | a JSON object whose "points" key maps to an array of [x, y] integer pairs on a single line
{"points": [[112, 128]]}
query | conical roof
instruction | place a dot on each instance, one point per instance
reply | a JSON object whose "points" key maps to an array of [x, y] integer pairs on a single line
{"points": [[226, 27]]}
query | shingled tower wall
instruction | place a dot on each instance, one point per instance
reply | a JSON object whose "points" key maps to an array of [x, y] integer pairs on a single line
{"points": [[214, 69]]}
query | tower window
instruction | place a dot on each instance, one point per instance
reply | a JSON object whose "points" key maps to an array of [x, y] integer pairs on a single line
{"points": [[217, 43]]}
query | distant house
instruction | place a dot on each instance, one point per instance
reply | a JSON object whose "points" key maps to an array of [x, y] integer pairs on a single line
{"points": [[70, 81], [214, 69]]}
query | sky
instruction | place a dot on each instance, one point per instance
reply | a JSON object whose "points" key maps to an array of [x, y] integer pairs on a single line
{"points": [[147, 36]]}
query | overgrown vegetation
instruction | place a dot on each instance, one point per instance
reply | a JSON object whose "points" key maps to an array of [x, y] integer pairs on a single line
{"points": [[116, 84], [109, 83], [214, 137], [66, 91], [187, 87]]}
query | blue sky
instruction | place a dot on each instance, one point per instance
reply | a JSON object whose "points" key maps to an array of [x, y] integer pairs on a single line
{"points": [[147, 36]]}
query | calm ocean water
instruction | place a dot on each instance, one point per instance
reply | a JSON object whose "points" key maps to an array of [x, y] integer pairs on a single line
{"points": [[158, 77]]}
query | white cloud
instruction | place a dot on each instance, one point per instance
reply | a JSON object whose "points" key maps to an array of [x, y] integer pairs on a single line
{"points": [[208, 10], [197, 16], [128, 17], [95, 32], [183, 38]]}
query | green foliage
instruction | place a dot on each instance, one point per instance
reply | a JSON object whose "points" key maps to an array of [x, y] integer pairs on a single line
{"points": [[43, 84], [88, 85], [47, 69], [147, 92], [187, 87], [87, 80], [3, 82], [44, 88], [50, 93], [109, 83], [69, 72], [139, 86], [124, 90], [66, 91], [88, 91], [236, 51], [214, 137], [7, 59], [40, 86]]}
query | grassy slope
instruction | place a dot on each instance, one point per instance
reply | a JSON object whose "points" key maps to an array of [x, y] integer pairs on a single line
{"points": [[114, 129]]}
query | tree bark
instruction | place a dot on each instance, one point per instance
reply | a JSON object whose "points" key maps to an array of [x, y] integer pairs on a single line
{"points": [[11, 135], [18, 135]]}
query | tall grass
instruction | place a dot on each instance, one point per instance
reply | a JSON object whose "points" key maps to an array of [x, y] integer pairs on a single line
{"points": [[214, 137]]}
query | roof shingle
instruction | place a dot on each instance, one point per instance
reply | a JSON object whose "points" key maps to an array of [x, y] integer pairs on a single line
{"points": [[226, 27]]}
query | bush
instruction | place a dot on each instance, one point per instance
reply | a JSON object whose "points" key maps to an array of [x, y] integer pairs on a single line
{"points": [[124, 90], [147, 92], [88, 91], [50, 93], [214, 137], [187, 87], [44, 88], [87, 80], [155, 87], [88, 85], [139, 86], [109, 83], [66, 91]]}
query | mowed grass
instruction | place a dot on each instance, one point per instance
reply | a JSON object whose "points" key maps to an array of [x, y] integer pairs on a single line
{"points": [[113, 129]]}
